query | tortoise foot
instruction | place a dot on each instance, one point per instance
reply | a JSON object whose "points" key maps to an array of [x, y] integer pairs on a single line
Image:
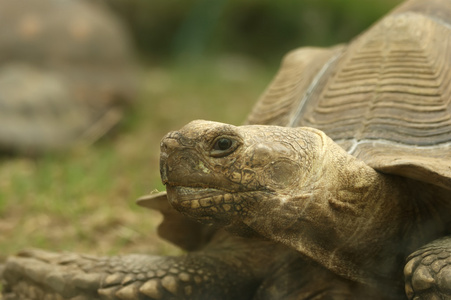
{"points": [[37, 274], [41, 275], [428, 271]]}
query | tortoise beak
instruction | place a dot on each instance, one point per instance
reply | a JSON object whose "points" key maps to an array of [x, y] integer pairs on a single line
{"points": [[169, 144]]}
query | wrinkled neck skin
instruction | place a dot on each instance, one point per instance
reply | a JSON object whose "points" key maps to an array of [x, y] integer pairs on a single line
{"points": [[344, 215]]}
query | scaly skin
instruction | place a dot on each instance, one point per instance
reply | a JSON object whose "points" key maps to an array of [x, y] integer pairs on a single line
{"points": [[226, 269], [297, 187]]}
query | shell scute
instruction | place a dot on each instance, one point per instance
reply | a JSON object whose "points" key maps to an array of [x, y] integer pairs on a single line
{"points": [[385, 97]]}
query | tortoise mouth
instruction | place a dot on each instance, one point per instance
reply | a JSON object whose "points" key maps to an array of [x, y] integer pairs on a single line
{"points": [[185, 193], [216, 207], [210, 205], [187, 198]]}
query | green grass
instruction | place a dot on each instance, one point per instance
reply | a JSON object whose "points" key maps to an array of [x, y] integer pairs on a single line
{"points": [[84, 200]]}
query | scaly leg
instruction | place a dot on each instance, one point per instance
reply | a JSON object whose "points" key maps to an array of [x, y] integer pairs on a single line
{"points": [[428, 271], [229, 269]]}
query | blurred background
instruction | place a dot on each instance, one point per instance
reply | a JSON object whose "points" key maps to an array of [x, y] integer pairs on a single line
{"points": [[188, 59], [260, 30]]}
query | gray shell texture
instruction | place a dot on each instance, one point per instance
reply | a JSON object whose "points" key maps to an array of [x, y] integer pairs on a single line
{"points": [[66, 72], [385, 97]]}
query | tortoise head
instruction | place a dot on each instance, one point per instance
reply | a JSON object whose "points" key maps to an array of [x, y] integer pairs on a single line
{"points": [[226, 175], [290, 185]]}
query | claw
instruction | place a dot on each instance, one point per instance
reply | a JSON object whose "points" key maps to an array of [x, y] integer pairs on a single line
{"points": [[422, 279]]}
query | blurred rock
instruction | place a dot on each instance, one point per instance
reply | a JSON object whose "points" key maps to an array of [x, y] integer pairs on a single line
{"points": [[66, 73]]}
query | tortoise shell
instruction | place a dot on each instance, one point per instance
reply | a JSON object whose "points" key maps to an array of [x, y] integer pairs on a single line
{"points": [[66, 68], [385, 97]]}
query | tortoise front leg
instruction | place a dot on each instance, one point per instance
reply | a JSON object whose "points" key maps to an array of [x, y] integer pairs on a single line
{"points": [[37, 274], [428, 271], [222, 273]]}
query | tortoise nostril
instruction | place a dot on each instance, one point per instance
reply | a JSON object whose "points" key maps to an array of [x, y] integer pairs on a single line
{"points": [[169, 143]]}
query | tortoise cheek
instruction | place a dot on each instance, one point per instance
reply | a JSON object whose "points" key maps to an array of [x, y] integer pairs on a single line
{"points": [[283, 173]]}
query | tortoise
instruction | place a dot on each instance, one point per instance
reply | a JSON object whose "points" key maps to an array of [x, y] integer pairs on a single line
{"points": [[66, 74], [338, 183]]}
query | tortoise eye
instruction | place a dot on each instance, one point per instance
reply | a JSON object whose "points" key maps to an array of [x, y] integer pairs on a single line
{"points": [[223, 146]]}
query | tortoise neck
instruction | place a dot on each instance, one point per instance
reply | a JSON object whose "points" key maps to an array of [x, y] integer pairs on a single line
{"points": [[363, 222], [339, 217]]}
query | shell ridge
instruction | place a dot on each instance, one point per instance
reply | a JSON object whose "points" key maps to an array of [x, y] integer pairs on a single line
{"points": [[298, 112], [356, 143]]}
